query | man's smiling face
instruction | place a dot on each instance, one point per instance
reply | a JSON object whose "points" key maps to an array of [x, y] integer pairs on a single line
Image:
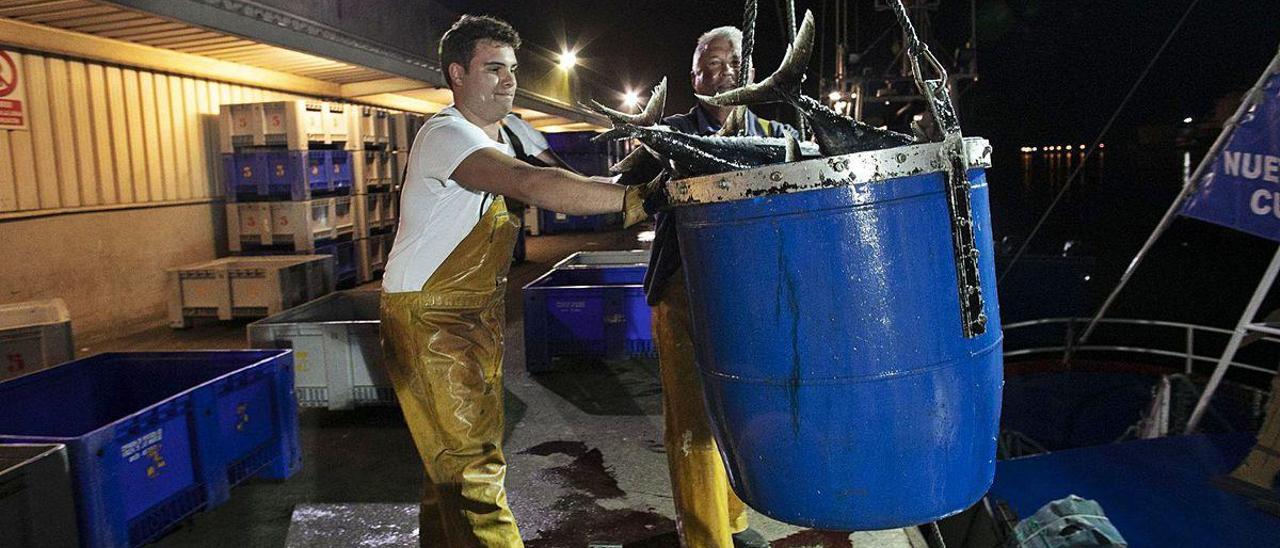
{"points": [[716, 67], [487, 87]]}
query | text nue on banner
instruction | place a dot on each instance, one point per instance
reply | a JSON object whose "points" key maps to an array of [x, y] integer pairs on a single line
{"points": [[1241, 190]]}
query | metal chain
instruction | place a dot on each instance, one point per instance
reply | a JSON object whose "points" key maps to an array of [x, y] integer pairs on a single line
{"points": [[748, 42]]}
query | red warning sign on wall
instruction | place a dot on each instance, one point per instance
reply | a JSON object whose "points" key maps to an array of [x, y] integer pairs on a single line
{"points": [[13, 97]]}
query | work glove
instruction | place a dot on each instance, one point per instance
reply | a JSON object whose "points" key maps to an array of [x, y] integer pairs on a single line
{"points": [[641, 201]]}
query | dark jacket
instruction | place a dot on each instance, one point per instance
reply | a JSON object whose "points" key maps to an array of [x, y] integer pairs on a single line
{"points": [[665, 260]]}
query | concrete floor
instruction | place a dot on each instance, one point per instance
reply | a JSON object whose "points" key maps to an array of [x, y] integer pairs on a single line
{"points": [[586, 466]]}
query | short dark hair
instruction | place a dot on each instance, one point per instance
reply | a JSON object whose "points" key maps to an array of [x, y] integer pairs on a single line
{"points": [[458, 44]]}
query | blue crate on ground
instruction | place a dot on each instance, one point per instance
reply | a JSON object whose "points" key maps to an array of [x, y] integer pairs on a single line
{"points": [[153, 437], [586, 312], [273, 175], [550, 222]]}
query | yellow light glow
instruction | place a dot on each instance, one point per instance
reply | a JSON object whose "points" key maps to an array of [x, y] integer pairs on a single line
{"points": [[568, 59]]}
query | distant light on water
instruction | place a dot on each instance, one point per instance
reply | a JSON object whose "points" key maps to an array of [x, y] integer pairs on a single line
{"points": [[645, 236]]}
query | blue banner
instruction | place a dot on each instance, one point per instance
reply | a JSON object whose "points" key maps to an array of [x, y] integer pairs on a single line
{"points": [[1242, 189]]}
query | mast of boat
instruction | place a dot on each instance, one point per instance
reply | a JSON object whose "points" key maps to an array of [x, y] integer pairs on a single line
{"points": [[1189, 186]]}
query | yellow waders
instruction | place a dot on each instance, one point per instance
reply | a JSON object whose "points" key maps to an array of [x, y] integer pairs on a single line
{"points": [[443, 352], [708, 512]]}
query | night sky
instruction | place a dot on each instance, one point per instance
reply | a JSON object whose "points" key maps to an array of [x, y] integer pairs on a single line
{"points": [[1051, 70]]}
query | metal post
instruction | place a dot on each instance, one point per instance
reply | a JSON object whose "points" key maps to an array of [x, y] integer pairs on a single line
{"points": [[1191, 347], [1190, 186], [748, 42], [1237, 336]]}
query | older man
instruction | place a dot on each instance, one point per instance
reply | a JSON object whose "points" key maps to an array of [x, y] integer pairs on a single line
{"points": [[708, 513], [442, 301]]}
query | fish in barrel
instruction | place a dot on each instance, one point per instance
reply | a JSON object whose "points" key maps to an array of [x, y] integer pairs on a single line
{"points": [[836, 134], [689, 155]]}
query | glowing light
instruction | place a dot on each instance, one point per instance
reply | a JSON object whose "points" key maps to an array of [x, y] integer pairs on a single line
{"points": [[835, 96], [918, 117], [631, 99], [568, 59], [1069, 147], [1186, 120]]}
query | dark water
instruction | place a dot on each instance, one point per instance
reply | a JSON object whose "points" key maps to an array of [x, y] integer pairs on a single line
{"points": [[1196, 273]]}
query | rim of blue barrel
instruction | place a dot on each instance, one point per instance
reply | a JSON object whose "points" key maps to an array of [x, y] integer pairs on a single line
{"points": [[859, 168], [269, 354]]}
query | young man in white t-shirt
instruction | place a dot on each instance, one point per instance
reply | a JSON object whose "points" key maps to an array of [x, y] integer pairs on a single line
{"points": [[442, 302]]}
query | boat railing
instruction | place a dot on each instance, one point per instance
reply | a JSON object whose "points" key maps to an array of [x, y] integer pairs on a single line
{"points": [[1190, 344]]}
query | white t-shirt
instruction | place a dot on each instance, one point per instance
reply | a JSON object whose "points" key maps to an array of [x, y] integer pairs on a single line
{"points": [[436, 213], [533, 141]]}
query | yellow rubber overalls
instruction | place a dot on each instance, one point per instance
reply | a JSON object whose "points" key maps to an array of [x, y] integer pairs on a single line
{"points": [[443, 350], [708, 512]]}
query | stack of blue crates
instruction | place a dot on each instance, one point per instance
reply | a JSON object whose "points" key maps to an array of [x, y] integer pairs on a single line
{"points": [[154, 437], [260, 174], [309, 179], [383, 139]]}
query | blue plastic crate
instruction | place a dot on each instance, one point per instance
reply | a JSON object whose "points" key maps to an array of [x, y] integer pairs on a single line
{"points": [[317, 169], [274, 175], [344, 255], [340, 171], [153, 437], [247, 174], [550, 222], [586, 312]]}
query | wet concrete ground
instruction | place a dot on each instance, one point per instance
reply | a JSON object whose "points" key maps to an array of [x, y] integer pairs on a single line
{"points": [[586, 465]]}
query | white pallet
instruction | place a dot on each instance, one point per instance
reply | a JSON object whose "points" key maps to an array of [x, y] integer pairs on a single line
{"points": [[289, 124], [246, 286], [299, 224], [337, 350], [370, 127], [372, 171], [404, 127], [34, 335], [398, 165], [532, 226]]}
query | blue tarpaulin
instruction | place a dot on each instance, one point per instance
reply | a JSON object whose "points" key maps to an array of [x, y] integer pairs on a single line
{"points": [[1241, 190]]}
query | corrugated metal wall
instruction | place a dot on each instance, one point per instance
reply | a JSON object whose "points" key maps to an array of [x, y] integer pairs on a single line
{"points": [[103, 135]]}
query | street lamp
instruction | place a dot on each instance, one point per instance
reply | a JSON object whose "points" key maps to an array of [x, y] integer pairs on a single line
{"points": [[568, 59]]}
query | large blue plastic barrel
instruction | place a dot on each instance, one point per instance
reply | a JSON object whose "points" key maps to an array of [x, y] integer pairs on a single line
{"points": [[841, 388]]}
